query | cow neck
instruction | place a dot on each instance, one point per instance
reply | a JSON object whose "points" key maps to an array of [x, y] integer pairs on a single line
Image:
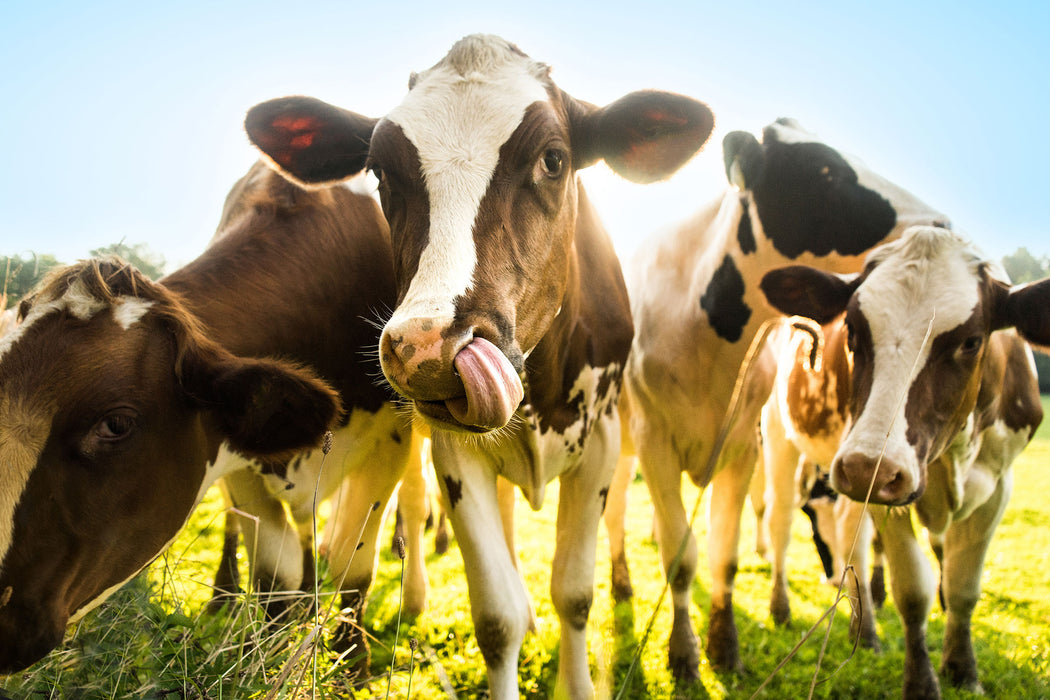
{"points": [[591, 330]]}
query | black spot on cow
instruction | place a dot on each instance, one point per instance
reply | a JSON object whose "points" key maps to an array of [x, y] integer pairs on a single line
{"points": [[723, 300], [745, 236], [455, 491], [809, 200], [604, 495]]}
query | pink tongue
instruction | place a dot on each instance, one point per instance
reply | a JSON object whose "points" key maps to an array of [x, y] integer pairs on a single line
{"points": [[492, 386]]}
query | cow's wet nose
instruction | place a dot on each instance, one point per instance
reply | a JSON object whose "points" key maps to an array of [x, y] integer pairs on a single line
{"points": [[416, 356], [890, 483]]}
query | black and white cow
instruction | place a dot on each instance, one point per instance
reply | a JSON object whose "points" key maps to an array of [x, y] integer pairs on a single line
{"points": [[512, 324], [943, 398], [697, 307]]}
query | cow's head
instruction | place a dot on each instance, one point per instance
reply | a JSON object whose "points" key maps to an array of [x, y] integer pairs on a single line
{"points": [[112, 404], [920, 318], [477, 170], [811, 199]]}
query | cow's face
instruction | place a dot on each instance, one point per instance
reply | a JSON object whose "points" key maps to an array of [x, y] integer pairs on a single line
{"points": [[111, 406], [919, 318], [811, 199], [477, 170]]}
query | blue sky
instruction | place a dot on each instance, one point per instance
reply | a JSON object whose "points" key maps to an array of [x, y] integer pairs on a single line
{"points": [[122, 120]]}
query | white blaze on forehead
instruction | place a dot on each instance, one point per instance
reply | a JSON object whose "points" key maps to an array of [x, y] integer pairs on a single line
{"points": [[925, 285], [458, 115]]}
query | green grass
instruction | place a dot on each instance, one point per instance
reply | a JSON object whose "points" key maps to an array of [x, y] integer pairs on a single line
{"points": [[153, 640]]}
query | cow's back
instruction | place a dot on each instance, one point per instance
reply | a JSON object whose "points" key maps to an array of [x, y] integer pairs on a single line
{"points": [[289, 267]]}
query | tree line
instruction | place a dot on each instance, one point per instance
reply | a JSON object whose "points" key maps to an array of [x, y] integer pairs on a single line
{"points": [[21, 274]]}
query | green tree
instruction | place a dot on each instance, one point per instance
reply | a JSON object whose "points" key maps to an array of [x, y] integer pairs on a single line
{"points": [[22, 274], [1022, 266], [145, 260]]}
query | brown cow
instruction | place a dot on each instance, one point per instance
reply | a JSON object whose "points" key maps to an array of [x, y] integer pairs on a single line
{"points": [[118, 395], [512, 324], [943, 398]]}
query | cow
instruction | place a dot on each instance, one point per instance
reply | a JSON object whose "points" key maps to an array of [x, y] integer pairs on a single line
{"points": [[801, 425], [122, 400], [512, 323], [943, 398], [697, 307]]}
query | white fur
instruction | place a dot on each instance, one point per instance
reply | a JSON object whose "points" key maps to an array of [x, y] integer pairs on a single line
{"points": [[458, 115]]}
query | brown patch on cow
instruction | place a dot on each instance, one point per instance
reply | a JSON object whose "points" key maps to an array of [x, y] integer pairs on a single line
{"points": [[493, 638], [577, 609], [454, 487], [810, 389]]}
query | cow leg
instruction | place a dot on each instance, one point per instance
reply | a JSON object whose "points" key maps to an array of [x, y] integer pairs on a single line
{"points": [[615, 524], [499, 605], [782, 461], [965, 546], [912, 586], [663, 475], [757, 494], [274, 553], [355, 522], [507, 494], [412, 505], [854, 535], [728, 493], [227, 576], [581, 500]]}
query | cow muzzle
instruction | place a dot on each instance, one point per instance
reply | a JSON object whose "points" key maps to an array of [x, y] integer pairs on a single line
{"points": [[461, 383], [26, 636], [856, 475]]}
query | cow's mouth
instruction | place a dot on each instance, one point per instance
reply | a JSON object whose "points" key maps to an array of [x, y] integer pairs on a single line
{"points": [[492, 391]]}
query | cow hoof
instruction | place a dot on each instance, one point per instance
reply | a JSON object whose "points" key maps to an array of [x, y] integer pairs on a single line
{"points": [[349, 638], [621, 582], [923, 686], [780, 609], [684, 669], [723, 649]]}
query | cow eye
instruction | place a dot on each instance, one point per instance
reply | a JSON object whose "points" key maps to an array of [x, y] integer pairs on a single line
{"points": [[552, 163], [114, 426], [971, 345]]}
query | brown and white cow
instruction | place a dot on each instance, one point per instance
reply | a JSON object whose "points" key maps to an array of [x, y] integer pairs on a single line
{"points": [[802, 424], [119, 397], [512, 325], [697, 307], [943, 398]]}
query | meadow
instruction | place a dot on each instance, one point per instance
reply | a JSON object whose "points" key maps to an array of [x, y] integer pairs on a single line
{"points": [[154, 639]]}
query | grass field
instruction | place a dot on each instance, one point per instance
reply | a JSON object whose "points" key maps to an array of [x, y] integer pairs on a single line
{"points": [[153, 640]]}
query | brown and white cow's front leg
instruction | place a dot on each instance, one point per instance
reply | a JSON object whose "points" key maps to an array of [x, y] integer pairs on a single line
{"points": [[499, 604], [581, 500], [912, 585], [965, 546]]}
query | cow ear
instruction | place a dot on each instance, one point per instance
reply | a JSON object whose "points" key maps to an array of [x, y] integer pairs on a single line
{"points": [[1027, 308], [644, 136], [744, 159], [798, 290], [309, 141], [264, 408]]}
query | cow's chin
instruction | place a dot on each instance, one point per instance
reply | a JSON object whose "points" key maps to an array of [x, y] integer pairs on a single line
{"points": [[437, 417]]}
